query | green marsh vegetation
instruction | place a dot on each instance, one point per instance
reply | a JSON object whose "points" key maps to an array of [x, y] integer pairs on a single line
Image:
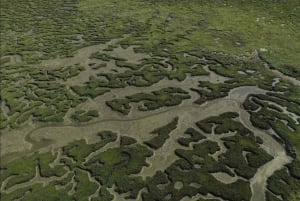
{"points": [[153, 29], [85, 168], [274, 112], [156, 99], [182, 39], [84, 116]]}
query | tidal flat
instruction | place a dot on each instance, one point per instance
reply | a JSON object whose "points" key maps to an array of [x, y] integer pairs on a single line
{"points": [[140, 100]]}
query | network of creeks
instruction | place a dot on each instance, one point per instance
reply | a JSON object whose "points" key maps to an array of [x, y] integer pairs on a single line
{"points": [[138, 124], [50, 137]]}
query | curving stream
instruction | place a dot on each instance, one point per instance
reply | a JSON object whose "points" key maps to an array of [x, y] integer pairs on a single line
{"points": [[49, 137], [138, 124]]}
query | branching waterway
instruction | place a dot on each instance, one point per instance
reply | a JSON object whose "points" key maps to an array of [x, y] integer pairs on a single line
{"points": [[49, 137]]}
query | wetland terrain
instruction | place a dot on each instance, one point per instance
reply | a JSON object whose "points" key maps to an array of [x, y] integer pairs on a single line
{"points": [[140, 100]]}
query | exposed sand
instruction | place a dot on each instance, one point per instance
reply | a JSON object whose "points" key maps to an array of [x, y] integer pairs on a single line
{"points": [[293, 116], [217, 139], [138, 124], [224, 177], [198, 196], [118, 197], [240, 93], [274, 148], [12, 142], [14, 59], [258, 182], [178, 185], [140, 127], [276, 80], [129, 54], [213, 77], [80, 57], [283, 76]]}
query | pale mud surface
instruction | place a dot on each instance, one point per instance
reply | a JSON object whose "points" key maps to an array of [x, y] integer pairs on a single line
{"points": [[14, 59], [214, 77], [13, 143], [224, 177], [259, 181], [275, 81], [278, 73], [105, 112], [275, 149], [283, 76], [138, 124], [139, 127], [198, 196], [129, 54], [293, 116], [99, 102], [178, 185], [217, 138], [118, 197], [80, 57], [165, 156], [240, 93]]}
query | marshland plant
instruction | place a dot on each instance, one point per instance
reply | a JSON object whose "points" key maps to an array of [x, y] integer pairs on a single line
{"points": [[139, 100]]}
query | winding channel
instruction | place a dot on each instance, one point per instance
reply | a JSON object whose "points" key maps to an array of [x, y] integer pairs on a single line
{"points": [[48, 137], [52, 136]]}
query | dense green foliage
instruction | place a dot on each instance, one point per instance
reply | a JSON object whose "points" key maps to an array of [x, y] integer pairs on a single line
{"points": [[162, 134], [84, 116], [58, 56], [83, 168], [267, 112], [156, 99], [33, 31]]}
